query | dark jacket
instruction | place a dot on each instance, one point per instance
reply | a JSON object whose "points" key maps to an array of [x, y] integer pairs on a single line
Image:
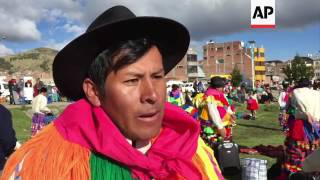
{"points": [[7, 135]]}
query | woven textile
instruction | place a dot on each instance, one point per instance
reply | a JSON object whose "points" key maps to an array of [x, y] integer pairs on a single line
{"points": [[254, 169]]}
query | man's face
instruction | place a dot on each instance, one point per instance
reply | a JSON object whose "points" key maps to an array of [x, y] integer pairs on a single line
{"points": [[135, 97]]}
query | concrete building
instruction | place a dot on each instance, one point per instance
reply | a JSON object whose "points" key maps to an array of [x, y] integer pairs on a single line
{"points": [[188, 69], [274, 71], [316, 68]]}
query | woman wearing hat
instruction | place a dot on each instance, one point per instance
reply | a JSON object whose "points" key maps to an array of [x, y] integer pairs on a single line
{"points": [[303, 136], [120, 126]]}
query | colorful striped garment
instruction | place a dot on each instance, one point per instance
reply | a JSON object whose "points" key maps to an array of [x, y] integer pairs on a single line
{"points": [[218, 98], [83, 143]]}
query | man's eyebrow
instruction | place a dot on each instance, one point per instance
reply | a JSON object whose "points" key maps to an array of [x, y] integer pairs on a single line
{"points": [[138, 74], [159, 71]]}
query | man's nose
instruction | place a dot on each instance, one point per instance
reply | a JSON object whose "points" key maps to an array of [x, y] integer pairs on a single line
{"points": [[148, 92]]}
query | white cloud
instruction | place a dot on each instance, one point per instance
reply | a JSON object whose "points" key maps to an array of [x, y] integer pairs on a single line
{"points": [[77, 30], [207, 18], [204, 18], [4, 50], [57, 45], [19, 19]]}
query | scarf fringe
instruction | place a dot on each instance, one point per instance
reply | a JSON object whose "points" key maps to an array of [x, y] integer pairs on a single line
{"points": [[49, 156]]}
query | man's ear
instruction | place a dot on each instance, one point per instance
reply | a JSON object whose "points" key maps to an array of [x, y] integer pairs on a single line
{"points": [[91, 92]]}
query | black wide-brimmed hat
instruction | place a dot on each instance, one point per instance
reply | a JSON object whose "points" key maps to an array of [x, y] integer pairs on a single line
{"points": [[217, 82], [70, 66]]}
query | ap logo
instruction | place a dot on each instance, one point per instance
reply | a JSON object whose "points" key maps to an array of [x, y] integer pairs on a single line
{"points": [[263, 14]]}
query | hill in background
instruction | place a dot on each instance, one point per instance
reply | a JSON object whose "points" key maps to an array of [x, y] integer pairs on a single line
{"points": [[35, 60]]}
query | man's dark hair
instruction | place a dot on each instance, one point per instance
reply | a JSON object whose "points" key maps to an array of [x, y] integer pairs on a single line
{"points": [[43, 90], [217, 82], [116, 57], [175, 87]]}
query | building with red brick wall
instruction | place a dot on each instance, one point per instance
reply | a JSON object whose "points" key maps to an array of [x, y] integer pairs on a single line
{"points": [[221, 58]]}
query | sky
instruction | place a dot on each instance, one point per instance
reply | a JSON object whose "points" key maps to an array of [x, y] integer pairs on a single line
{"points": [[28, 24]]}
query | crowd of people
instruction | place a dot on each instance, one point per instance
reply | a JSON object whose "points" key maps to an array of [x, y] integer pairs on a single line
{"points": [[299, 115], [23, 91]]}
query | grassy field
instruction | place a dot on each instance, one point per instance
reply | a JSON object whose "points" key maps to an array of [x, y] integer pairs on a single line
{"points": [[265, 130]]}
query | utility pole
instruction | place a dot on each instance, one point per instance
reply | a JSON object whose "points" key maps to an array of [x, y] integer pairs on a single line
{"points": [[252, 43]]}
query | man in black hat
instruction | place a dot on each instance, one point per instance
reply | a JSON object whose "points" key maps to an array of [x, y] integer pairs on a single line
{"points": [[120, 126]]}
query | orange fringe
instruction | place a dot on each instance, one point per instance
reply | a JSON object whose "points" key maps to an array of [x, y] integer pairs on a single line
{"points": [[48, 156]]}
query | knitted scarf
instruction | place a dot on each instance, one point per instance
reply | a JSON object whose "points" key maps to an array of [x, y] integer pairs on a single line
{"points": [[170, 154]]}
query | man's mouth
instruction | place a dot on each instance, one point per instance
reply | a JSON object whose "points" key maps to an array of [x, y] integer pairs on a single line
{"points": [[149, 116]]}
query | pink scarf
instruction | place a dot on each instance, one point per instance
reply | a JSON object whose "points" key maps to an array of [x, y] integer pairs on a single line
{"points": [[170, 154]]}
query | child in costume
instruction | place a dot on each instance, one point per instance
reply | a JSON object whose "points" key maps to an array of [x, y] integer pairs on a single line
{"points": [[252, 104], [176, 96]]}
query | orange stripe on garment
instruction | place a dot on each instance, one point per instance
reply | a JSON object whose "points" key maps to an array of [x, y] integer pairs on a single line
{"points": [[196, 160], [48, 156], [205, 162]]}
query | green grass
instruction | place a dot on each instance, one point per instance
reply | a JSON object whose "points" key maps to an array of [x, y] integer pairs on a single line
{"points": [[21, 124], [265, 130]]}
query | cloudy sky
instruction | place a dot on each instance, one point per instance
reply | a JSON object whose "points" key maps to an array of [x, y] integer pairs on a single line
{"points": [[27, 24]]}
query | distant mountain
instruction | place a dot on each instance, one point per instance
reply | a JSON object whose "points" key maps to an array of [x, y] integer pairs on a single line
{"points": [[35, 60]]}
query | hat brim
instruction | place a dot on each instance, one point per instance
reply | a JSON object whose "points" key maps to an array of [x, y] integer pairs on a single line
{"points": [[70, 66]]}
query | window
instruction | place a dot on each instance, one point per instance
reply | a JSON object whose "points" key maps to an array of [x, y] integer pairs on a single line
{"points": [[228, 47], [260, 72], [259, 63], [220, 49], [179, 67], [191, 57], [261, 54], [220, 61], [192, 69]]}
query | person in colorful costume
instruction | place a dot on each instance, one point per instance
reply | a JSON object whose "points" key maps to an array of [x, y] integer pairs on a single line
{"points": [[119, 126], [283, 101], [40, 109], [252, 104], [176, 96], [304, 127], [215, 110], [189, 107]]}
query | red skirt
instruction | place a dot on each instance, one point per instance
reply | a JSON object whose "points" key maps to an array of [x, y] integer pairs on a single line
{"points": [[252, 105]]}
